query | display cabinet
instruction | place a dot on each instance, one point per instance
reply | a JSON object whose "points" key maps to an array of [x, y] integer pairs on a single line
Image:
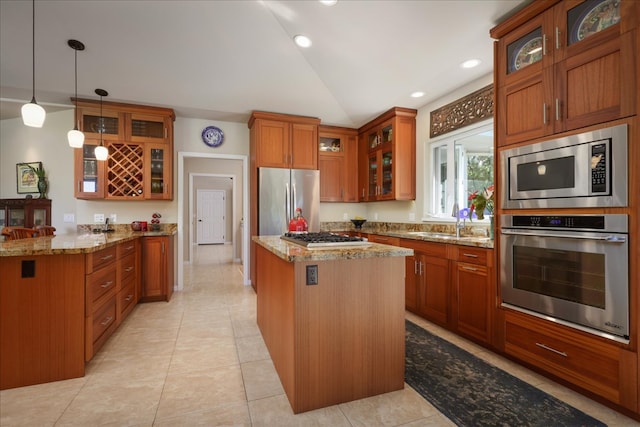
{"points": [[25, 213], [567, 66], [337, 162], [388, 147], [140, 144]]}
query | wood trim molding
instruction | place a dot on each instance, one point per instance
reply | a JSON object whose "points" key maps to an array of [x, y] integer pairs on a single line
{"points": [[465, 111]]}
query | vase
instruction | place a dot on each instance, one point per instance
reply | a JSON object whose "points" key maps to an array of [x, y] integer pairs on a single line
{"points": [[491, 227], [42, 187]]}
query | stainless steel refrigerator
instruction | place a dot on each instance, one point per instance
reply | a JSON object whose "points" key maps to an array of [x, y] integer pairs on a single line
{"points": [[280, 192]]}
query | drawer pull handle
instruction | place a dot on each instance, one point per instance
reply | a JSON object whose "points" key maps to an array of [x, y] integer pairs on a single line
{"points": [[104, 258], [561, 353], [128, 248], [129, 297], [107, 284], [128, 269], [107, 321], [470, 255], [469, 268]]}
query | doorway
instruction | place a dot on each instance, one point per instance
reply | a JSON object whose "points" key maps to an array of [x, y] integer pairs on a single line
{"points": [[210, 217]]}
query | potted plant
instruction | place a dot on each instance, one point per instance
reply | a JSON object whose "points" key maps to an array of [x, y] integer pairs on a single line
{"points": [[42, 181]]}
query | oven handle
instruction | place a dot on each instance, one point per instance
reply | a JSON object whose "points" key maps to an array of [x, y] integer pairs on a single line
{"points": [[608, 239]]}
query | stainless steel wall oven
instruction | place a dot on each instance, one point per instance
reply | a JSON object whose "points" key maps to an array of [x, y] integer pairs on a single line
{"points": [[583, 170], [571, 269]]}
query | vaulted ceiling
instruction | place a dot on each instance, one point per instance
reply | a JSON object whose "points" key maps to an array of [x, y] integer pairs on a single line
{"points": [[219, 60]]}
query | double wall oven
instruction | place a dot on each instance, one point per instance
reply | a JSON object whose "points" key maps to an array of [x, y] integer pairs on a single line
{"points": [[565, 265]]}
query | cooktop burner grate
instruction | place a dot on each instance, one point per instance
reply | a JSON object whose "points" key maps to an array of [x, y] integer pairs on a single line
{"points": [[323, 239]]}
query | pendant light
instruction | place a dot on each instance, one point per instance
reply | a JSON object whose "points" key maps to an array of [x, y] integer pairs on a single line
{"points": [[32, 114], [75, 137], [101, 151]]}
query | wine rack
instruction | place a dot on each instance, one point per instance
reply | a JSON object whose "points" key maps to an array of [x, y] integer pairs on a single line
{"points": [[125, 176]]}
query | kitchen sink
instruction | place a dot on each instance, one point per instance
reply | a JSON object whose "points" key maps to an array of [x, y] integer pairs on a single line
{"points": [[430, 234]]}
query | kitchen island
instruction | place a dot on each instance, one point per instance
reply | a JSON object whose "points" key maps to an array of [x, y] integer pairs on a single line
{"points": [[332, 319]]}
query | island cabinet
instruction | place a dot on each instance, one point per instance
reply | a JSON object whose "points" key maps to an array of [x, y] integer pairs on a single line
{"points": [[140, 144], [338, 164], [597, 365], [25, 212], [388, 154], [283, 140], [565, 65], [100, 299], [157, 268]]}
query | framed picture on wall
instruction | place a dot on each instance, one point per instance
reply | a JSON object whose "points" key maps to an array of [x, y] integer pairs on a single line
{"points": [[27, 178]]}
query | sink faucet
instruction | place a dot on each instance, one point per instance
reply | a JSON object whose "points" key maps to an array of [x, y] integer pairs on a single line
{"points": [[456, 213], [106, 225]]}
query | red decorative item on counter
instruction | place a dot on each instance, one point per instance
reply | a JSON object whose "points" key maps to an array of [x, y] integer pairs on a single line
{"points": [[298, 224]]}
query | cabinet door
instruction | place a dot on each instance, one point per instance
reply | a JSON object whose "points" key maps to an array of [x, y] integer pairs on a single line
{"points": [[386, 176], [272, 143], [331, 171], [373, 184], [125, 171], [350, 169], [154, 268], [89, 172], [363, 169], [304, 146], [411, 279], [94, 122], [434, 301], [473, 298], [17, 217], [157, 171], [148, 128]]}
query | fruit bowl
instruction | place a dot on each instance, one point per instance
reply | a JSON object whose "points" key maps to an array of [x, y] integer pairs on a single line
{"points": [[358, 223]]}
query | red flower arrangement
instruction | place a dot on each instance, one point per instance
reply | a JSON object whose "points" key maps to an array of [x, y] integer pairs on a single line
{"points": [[481, 201]]}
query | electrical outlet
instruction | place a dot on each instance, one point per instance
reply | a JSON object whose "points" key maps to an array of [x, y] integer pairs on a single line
{"points": [[113, 218], [69, 217], [345, 216], [98, 218], [312, 274], [375, 216], [412, 216]]}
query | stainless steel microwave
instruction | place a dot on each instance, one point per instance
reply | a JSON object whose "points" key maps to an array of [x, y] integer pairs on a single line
{"points": [[583, 170]]}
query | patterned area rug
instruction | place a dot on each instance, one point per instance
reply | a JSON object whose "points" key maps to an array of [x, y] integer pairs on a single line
{"points": [[471, 392]]}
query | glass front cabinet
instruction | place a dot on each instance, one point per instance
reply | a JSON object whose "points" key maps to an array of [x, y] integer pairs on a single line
{"points": [[25, 212], [140, 144]]}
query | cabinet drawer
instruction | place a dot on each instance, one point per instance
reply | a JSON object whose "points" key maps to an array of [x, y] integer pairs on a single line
{"points": [[99, 284], [126, 248], [384, 240], [103, 319], [472, 255], [127, 267], [427, 248], [127, 296], [101, 258], [586, 362]]}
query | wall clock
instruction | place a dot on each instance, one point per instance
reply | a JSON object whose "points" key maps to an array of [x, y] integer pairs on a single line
{"points": [[212, 136]]}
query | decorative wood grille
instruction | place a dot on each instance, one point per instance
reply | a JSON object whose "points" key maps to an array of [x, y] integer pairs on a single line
{"points": [[470, 109], [125, 173]]}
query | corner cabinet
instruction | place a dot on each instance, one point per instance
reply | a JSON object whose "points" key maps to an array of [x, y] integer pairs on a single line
{"points": [[388, 155], [140, 144], [157, 268], [565, 66], [283, 140], [337, 162]]}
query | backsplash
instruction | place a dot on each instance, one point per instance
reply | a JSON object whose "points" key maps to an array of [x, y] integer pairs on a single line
{"points": [[376, 227]]}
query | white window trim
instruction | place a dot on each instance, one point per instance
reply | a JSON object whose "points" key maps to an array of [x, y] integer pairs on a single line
{"points": [[429, 192]]}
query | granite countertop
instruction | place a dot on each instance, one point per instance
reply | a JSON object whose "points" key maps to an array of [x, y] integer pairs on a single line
{"points": [[75, 243], [295, 253], [480, 242]]}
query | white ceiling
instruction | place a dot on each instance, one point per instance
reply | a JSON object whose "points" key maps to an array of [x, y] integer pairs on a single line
{"points": [[219, 60]]}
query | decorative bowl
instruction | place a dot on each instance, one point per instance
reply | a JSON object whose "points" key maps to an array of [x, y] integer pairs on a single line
{"points": [[358, 223]]}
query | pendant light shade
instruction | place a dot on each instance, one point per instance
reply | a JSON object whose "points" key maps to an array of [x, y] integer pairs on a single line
{"points": [[75, 137], [101, 151], [32, 114]]}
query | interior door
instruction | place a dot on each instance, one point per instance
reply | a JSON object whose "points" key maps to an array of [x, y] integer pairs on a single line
{"points": [[210, 216]]}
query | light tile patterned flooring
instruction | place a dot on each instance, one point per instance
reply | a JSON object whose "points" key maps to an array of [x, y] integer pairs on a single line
{"points": [[199, 360]]}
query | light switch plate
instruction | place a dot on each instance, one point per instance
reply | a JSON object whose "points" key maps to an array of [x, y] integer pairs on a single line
{"points": [[113, 218], [98, 217], [69, 217]]}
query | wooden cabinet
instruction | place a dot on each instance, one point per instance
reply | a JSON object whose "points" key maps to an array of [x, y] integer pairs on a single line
{"points": [[157, 268], [388, 154], [564, 66], [100, 299], [337, 162], [140, 143], [473, 292], [25, 213], [283, 140], [128, 273], [592, 363]]}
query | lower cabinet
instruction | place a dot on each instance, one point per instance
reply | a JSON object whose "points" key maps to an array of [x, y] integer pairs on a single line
{"points": [[157, 268], [128, 278]]}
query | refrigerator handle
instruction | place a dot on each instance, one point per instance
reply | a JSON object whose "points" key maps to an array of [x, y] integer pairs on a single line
{"points": [[293, 199], [287, 204]]}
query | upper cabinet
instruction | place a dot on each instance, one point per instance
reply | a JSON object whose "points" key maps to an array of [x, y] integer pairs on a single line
{"points": [[337, 162], [565, 65], [140, 144], [388, 156], [284, 141]]}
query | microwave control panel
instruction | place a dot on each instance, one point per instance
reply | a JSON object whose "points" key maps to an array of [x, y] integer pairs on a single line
{"points": [[599, 167]]}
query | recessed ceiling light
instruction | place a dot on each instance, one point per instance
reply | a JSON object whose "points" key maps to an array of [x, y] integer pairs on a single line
{"points": [[328, 2], [302, 41], [417, 94], [470, 63]]}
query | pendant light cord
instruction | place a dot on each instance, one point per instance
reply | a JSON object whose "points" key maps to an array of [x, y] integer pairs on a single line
{"points": [[33, 50], [75, 115]]}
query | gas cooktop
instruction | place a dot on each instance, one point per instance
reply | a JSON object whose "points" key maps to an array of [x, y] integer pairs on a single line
{"points": [[323, 240]]}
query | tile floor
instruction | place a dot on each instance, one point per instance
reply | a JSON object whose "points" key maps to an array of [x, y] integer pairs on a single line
{"points": [[199, 360]]}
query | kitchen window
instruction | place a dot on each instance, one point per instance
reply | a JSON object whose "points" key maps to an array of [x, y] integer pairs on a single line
{"points": [[460, 164]]}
